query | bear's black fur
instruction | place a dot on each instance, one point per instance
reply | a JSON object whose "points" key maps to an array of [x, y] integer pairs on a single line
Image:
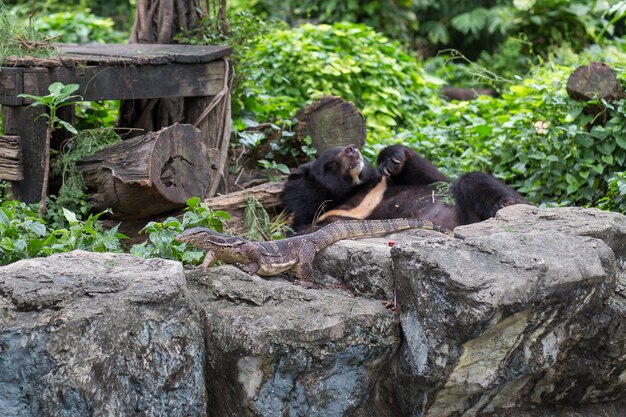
{"points": [[340, 184]]}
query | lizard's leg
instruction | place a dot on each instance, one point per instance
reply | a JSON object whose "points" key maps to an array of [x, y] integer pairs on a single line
{"points": [[253, 259], [304, 269], [208, 259]]}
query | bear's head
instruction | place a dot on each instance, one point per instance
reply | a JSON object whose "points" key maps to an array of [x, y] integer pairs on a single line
{"points": [[340, 170]]}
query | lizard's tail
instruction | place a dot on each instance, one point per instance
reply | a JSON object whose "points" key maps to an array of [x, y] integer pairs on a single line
{"points": [[346, 229]]}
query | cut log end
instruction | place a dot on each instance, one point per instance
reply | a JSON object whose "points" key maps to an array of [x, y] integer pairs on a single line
{"points": [[330, 122], [180, 165], [595, 81]]}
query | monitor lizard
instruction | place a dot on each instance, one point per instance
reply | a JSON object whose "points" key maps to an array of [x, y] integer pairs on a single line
{"points": [[294, 253]]}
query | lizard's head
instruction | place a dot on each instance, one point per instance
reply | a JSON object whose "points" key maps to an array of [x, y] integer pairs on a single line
{"points": [[199, 236]]}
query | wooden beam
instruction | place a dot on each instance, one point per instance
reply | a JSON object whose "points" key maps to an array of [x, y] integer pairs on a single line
{"points": [[20, 121], [116, 82]]}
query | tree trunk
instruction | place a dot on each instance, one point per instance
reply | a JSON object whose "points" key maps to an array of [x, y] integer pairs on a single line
{"points": [[157, 21], [150, 174], [268, 194]]}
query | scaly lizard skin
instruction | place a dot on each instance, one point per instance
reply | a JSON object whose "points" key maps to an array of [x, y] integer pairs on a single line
{"points": [[295, 253]]}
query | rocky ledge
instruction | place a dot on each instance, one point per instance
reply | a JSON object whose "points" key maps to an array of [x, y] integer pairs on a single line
{"points": [[525, 317]]}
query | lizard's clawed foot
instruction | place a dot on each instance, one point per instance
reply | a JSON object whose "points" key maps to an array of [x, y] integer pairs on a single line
{"points": [[305, 284]]}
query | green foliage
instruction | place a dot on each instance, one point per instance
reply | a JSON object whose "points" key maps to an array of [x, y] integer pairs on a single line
{"points": [[24, 235], [60, 96], [161, 235], [259, 224], [244, 33], [96, 114], [615, 198], [471, 26], [534, 136], [296, 66], [79, 27], [72, 192], [396, 18]]}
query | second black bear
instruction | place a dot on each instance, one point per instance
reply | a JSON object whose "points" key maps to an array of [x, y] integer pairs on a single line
{"points": [[340, 185]]}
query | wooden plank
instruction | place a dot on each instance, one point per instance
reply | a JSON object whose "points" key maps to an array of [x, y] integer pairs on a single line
{"points": [[10, 158], [130, 82], [10, 147], [172, 53], [11, 170], [20, 121]]}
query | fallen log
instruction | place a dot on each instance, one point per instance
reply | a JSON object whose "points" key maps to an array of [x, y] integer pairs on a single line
{"points": [[149, 174], [268, 194], [330, 122]]}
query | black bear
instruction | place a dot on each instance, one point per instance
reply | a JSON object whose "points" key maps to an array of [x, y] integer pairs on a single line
{"points": [[340, 185]]}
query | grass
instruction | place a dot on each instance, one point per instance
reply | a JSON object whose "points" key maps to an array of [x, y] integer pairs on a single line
{"points": [[18, 40]]}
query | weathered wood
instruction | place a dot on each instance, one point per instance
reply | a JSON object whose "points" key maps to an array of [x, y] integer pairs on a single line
{"points": [[10, 158], [149, 174], [10, 147], [114, 83], [122, 54], [215, 127], [462, 93], [20, 121], [268, 194], [595, 81], [330, 122], [184, 54], [11, 84]]}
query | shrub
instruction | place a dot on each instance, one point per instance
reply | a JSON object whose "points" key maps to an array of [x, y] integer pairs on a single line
{"points": [[161, 241], [296, 66], [534, 136], [79, 27], [24, 235]]}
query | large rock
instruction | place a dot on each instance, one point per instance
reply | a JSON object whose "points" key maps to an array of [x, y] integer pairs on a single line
{"points": [[275, 349], [483, 317], [99, 334], [526, 317]]}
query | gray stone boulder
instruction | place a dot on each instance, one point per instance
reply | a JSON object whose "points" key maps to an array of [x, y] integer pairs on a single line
{"points": [[481, 318], [274, 348], [99, 334]]}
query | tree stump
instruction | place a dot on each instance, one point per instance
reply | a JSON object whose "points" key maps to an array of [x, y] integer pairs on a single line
{"points": [[150, 174], [331, 121], [596, 81]]}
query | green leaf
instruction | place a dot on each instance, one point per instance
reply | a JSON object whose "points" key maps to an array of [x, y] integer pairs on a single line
{"points": [[471, 22], [68, 126], [484, 130], [193, 202], [70, 216]]}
